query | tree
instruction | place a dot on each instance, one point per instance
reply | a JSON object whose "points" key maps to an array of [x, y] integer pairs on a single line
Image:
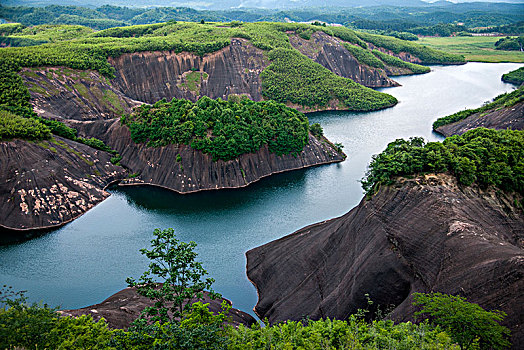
{"points": [[173, 279], [468, 324]]}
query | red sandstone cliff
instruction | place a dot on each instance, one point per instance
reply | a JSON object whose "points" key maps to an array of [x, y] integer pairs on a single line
{"points": [[421, 235]]}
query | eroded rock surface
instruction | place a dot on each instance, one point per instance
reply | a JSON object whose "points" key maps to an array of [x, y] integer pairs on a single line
{"points": [[197, 171], [46, 184], [330, 53], [58, 92], [504, 118], [422, 235], [151, 76], [122, 308]]}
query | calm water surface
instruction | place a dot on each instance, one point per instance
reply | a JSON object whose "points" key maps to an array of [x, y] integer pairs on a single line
{"points": [[88, 260]]}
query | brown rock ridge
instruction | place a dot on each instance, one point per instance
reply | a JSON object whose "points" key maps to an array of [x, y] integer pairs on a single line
{"points": [[421, 235], [330, 53], [74, 94], [197, 171], [151, 76], [504, 118], [122, 308], [47, 184]]}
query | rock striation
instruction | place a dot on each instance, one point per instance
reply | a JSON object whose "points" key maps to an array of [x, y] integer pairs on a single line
{"points": [[504, 118], [58, 92], [196, 171], [420, 235], [122, 308], [151, 76], [46, 184], [330, 53]]}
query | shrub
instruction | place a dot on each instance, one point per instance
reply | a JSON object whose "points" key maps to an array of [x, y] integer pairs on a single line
{"points": [[503, 100], [468, 324], [397, 62], [514, 77], [16, 127]]}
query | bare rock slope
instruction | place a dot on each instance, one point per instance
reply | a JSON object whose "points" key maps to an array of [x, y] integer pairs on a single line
{"points": [[183, 169], [330, 53], [503, 118], [421, 235], [46, 184], [151, 76]]}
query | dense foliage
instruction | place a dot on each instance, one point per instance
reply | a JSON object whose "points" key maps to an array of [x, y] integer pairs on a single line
{"points": [[425, 54], [293, 77], [468, 324], [503, 100], [514, 77], [397, 62], [39, 327], [224, 129], [13, 126], [364, 56], [399, 18], [510, 44], [481, 156]]}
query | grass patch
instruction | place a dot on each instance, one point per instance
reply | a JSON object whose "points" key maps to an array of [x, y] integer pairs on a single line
{"points": [[474, 48]]}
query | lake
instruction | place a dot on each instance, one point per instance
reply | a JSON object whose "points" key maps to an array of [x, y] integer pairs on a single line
{"points": [[89, 259]]}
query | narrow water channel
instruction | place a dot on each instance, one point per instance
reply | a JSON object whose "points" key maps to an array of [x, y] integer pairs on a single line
{"points": [[90, 258]]}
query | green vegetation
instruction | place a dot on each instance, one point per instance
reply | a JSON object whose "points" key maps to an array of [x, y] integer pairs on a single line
{"points": [[364, 56], [195, 327], [510, 44], [501, 101], [237, 126], [174, 276], [13, 126], [468, 324], [425, 54], [397, 62], [514, 77], [474, 49], [481, 156], [193, 80], [293, 77], [78, 47]]}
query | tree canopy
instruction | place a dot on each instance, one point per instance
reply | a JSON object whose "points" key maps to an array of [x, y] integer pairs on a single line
{"points": [[224, 129], [482, 156]]}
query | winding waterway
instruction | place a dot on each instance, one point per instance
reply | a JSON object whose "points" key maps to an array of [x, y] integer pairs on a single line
{"points": [[89, 259]]}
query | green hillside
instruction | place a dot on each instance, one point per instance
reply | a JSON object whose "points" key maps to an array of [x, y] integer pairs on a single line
{"points": [[81, 48]]}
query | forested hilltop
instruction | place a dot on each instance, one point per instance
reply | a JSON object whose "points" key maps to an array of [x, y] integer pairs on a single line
{"points": [[424, 20], [291, 77]]}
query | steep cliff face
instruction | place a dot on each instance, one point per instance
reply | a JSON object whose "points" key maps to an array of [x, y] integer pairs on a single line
{"points": [[74, 94], [122, 308], [151, 76], [421, 235], [330, 53], [49, 183], [503, 118], [196, 171]]}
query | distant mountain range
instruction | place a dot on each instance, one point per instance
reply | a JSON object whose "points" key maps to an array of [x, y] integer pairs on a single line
{"points": [[243, 4]]}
